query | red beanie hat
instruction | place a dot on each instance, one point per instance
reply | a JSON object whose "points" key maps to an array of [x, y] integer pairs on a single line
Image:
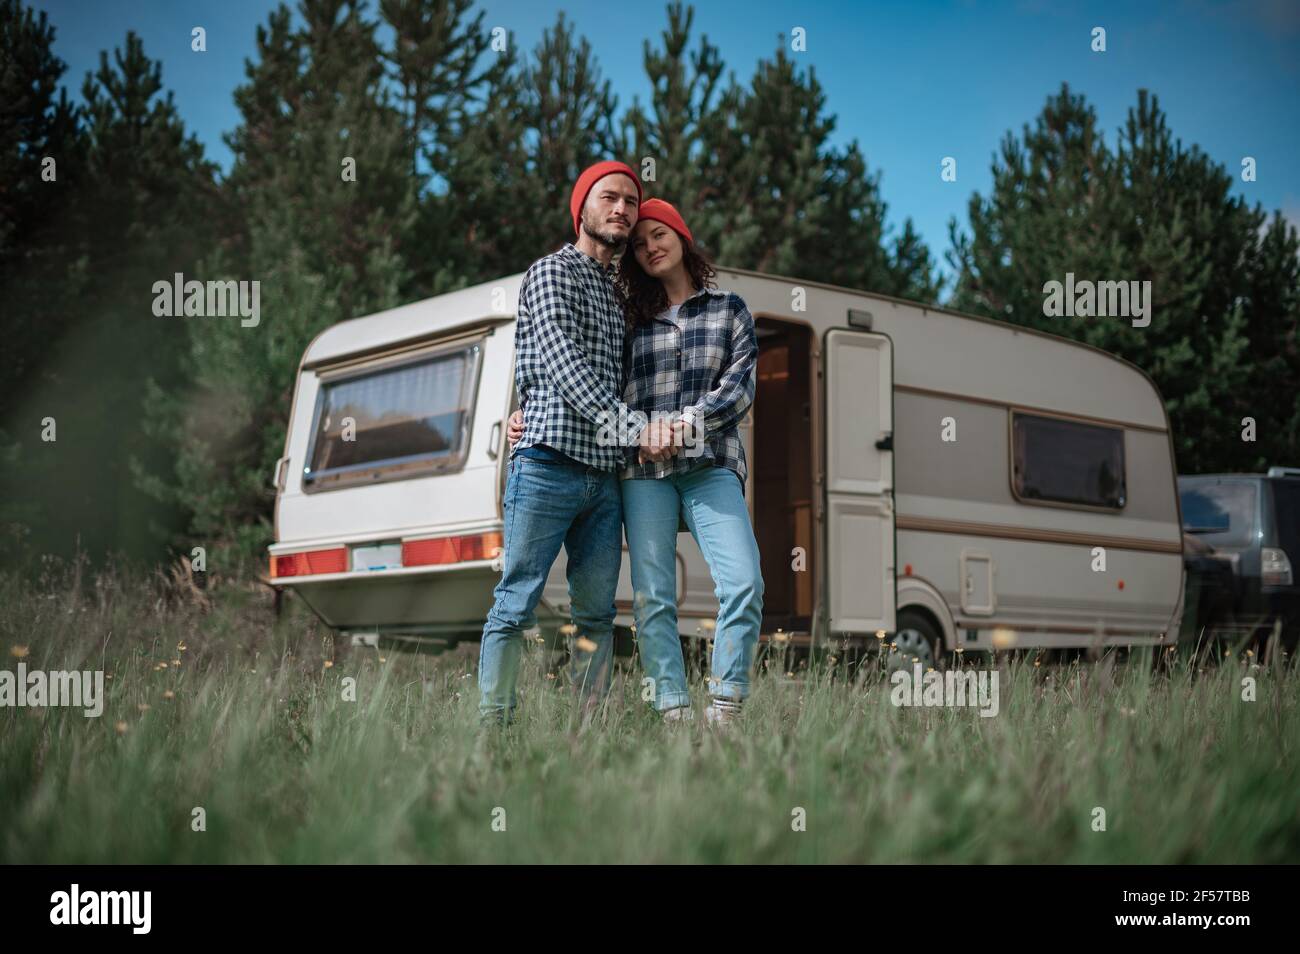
{"points": [[590, 176], [660, 211]]}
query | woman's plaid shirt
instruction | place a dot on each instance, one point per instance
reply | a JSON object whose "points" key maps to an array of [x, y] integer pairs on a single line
{"points": [[703, 374], [569, 360]]}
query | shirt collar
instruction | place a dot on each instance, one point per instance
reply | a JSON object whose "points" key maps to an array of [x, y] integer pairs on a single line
{"points": [[714, 292], [572, 251], [709, 292]]}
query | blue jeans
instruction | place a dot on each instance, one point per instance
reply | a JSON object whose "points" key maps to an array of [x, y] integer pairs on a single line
{"points": [[549, 504], [712, 501]]}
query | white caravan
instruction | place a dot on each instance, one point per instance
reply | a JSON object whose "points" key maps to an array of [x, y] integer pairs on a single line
{"points": [[944, 480]]}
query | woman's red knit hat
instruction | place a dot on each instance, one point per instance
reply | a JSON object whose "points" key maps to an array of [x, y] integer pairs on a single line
{"points": [[660, 211], [590, 176]]}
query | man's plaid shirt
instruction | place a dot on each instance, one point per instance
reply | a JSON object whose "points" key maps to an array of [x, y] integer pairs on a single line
{"points": [[704, 374], [569, 360]]}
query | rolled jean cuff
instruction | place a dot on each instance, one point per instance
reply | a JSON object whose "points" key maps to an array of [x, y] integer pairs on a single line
{"points": [[672, 700], [729, 690], [495, 715]]}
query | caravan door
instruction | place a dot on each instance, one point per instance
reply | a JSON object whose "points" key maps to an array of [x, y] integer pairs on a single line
{"points": [[860, 577]]}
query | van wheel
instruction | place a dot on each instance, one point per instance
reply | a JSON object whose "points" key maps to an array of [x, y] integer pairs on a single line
{"points": [[915, 640]]}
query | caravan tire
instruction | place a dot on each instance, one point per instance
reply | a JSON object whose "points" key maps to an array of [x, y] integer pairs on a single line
{"points": [[916, 636]]}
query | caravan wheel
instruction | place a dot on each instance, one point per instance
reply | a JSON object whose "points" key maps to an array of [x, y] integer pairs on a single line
{"points": [[916, 640]]}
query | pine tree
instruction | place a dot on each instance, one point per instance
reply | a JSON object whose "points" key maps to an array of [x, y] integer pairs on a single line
{"points": [[1271, 303], [752, 170], [37, 232], [485, 222], [38, 239], [682, 104], [435, 63], [323, 245], [1223, 288], [129, 203], [512, 161], [1046, 214], [777, 197]]}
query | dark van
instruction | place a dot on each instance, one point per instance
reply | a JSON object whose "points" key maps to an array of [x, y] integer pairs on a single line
{"points": [[1252, 522]]}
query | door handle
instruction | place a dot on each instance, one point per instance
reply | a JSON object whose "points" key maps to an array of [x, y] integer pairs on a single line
{"points": [[494, 439], [886, 443]]}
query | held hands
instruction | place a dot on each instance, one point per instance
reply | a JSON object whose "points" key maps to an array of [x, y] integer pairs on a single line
{"points": [[660, 441], [656, 442]]}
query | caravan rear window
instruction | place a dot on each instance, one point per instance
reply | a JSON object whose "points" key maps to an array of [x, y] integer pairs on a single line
{"points": [[1054, 460], [404, 419]]}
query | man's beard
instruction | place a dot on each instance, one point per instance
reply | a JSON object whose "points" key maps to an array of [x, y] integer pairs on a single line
{"points": [[604, 238]]}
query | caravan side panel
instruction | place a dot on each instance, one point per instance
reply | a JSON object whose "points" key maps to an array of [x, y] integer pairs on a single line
{"points": [[1040, 572]]}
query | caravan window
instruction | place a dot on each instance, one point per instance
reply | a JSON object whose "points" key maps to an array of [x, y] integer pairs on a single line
{"points": [[1054, 460], [404, 419]]}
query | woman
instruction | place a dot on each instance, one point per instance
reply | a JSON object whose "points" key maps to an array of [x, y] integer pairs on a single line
{"points": [[689, 357], [690, 353]]}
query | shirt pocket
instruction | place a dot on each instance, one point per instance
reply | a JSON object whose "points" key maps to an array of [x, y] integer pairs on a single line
{"points": [[707, 346]]}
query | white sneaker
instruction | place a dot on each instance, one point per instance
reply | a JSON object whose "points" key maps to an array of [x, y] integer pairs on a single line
{"points": [[722, 712], [678, 714]]}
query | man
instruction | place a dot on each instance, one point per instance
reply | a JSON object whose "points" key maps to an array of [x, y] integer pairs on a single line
{"points": [[562, 487]]}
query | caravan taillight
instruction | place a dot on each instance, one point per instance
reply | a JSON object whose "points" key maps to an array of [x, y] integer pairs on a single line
{"points": [[483, 546], [479, 546], [309, 563]]}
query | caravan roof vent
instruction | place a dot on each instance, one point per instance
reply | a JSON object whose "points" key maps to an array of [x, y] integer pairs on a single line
{"points": [[1284, 472]]}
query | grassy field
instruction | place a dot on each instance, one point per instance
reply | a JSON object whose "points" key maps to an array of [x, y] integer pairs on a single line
{"points": [[213, 704]]}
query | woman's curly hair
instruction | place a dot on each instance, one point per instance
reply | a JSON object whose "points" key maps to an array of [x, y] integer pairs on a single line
{"points": [[643, 296]]}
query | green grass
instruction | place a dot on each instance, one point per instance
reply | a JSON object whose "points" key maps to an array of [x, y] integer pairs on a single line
{"points": [[258, 735]]}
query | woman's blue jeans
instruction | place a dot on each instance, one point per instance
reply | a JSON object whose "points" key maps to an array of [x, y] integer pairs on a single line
{"points": [[711, 499]]}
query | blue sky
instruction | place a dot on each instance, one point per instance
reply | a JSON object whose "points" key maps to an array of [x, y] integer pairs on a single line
{"points": [[912, 82]]}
